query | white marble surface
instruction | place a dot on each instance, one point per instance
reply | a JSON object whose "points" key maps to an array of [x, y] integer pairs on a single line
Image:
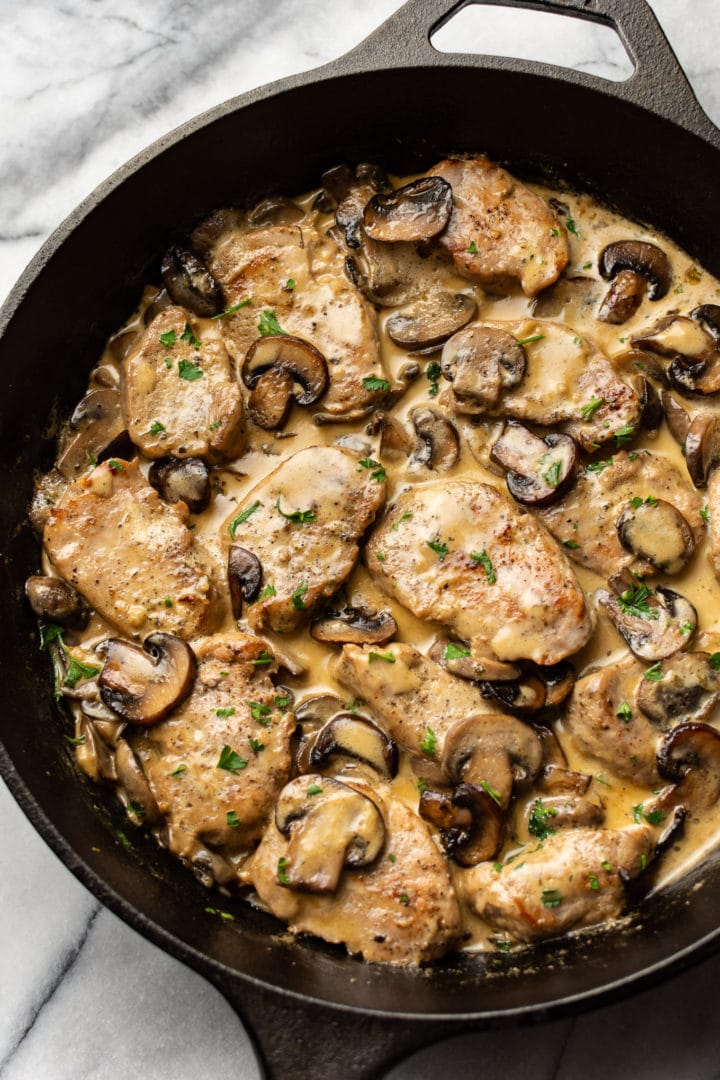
{"points": [[84, 84]]}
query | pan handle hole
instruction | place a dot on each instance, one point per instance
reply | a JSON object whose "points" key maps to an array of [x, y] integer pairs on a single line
{"points": [[535, 35]]}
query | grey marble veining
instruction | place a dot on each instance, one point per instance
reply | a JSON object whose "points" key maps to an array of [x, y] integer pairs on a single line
{"points": [[84, 85]]}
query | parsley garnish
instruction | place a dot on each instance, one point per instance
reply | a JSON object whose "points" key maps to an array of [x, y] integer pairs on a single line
{"points": [[655, 673], [233, 820], [624, 713], [315, 789], [606, 865], [653, 817], [570, 544], [593, 882], [267, 592], [297, 597], [168, 362], [242, 517], [281, 701], [552, 476], [506, 946], [634, 601], [281, 874], [168, 339], [381, 656], [259, 711], [371, 382], [189, 371], [289, 285], [440, 549], [636, 502], [264, 658], [454, 652], [179, 771], [472, 248], [483, 559], [230, 761], [116, 466], [538, 820], [705, 515], [715, 660], [298, 517], [233, 309], [551, 898], [600, 466], [392, 858], [529, 340], [687, 628], [624, 435], [135, 808], [269, 324], [78, 741], [215, 425], [167, 601], [588, 411], [187, 335], [156, 427], [256, 746], [495, 795], [378, 472], [404, 898], [222, 713], [570, 226], [404, 517], [429, 743]]}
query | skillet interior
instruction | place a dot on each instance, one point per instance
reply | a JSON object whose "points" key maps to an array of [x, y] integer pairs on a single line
{"points": [[648, 167]]}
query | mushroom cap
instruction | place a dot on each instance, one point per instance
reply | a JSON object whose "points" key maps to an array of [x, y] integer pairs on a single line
{"points": [[643, 258], [270, 398], [330, 826], [143, 685], [656, 531], [522, 696], [677, 418], [623, 298], [348, 735], [540, 471], [690, 755], [245, 574], [299, 358], [492, 751], [654, 625], [471, 824], [182, 479], [438, 446], [481, 362], [702, 448], [354, 626], [190, 284], [459, 660], [417, 211], [431, 320], [53, 599], [688, 691]]}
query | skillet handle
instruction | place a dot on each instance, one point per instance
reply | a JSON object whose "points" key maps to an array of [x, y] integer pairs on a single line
{"points": [[658, 82]]}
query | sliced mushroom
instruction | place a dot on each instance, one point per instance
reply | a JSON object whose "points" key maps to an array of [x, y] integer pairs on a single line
{"points": [[417, 211], [495, 753], [354, 626], [329, 826], [641, 258], [559, 680], [431, 320], [556, 779], [394, 436], [190, 283], [315, 711], [677, 418], [702, 448], [481, 362], [182, 479], [141, 801], [654, 625], [695, 358], [623, 298], [97, 431], [688, 691], [143, 685], [690, 755], [53, 599], [656, 531], [651, 410], [299, 359], [672, 832], [270, 399], [357, 737], [709, 316], [438, 446], [245, 574], [352, 193], [275, 210], [540, 471], [458, 659], [523, 696], [471, 824]]}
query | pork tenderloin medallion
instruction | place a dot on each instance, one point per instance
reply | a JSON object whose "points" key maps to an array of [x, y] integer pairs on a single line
{"points": [[132, 556], [302, 525], [566, 381], [586, 520], [216, 765], [571, 882], [179, 395], [464, 555], [401, 910], [295, 276], [499, 229]]}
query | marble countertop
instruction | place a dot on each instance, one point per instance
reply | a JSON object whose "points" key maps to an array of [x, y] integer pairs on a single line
{"points": [[84, 85]]}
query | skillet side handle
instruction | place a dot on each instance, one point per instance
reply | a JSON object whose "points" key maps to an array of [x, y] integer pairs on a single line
{"points": [[295, 1038], [658, 82]]}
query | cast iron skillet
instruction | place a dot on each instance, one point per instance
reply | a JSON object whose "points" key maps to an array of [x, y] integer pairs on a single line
{"points": [[643, 145]]}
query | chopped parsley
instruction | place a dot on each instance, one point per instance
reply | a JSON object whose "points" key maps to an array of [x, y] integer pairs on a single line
{"points": [[267, 592], [538, 820], [454, 652], [472, 248], [687, 628], [388, 656], [214, 426], [230, 761], [591, 407], [298, 517], [571, 226], [233, 820], [156, 427], [179, 771], [236, 307], [392, 858], [168, 339], [429, 743], [506, 946], [634, 601], [422, 785], [76, 741], [483, 559], [636, 502], [404, 898], [570, 544], [371, 382], [269, 324], [606, 865], [404, 517], [281, 871], [655, 673], [222, 713], [529, 340], [167, 601], [624, 435], [168, 362], [289, 285], [189, 371], [116, 466], [187, 335], [441, 549], [705, 515], [281, 701], [433, 372], [264, 658], [494, 795], [552, 475], [593, 882], [258, 711], [653, 817], [624, 713], [380, 556], [600, 466], [715, 660], [554, 232], [256, 746], [378, 472], [242, 517], [315, 789], [297, 597], [551, 898]]}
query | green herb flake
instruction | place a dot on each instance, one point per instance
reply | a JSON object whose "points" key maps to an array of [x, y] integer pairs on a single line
{"points": [[687, 628], [259, 711], [643, 861], [554, 232], [233, 820], [76, 740], [497, 867], [552, 475], [600, 466], [531, 339], [123, 839], [168, 339], [167, 601], [77, 671], [404, 898], [570, 544], [92, 458], [281, 870], [187, 335], [454, 652], [655, 673], [256, 746], [429, 743], [156, 427], [591, 407], [551, 898], [281, 701], [230, 761], [269, 324], [314, 789], [116, 466], [380, 556], [494, 795], [377, 471], [714, 660], [223, 713], [404, 517], [392, 858], [593, 882], [705, 515], [635, 601], [297, 597], [624, 713], [571, 226], [371, 382], [506, 946], [215, 425], [538, 820], [135, 808], [289, 285], [231, 310], [483, 559], [600, 779], [268, 591], [472, 248], [189, 371], [422, 785], [440, 549], [388, 656], [298, 517], [624, 435], [179, 771], [606, 866]]}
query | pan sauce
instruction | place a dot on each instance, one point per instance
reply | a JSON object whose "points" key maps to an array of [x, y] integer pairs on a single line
{"points": [[595, 227]]}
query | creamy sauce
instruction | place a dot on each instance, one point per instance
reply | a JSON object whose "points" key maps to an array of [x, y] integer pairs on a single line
{"points": [[595, 227]]}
